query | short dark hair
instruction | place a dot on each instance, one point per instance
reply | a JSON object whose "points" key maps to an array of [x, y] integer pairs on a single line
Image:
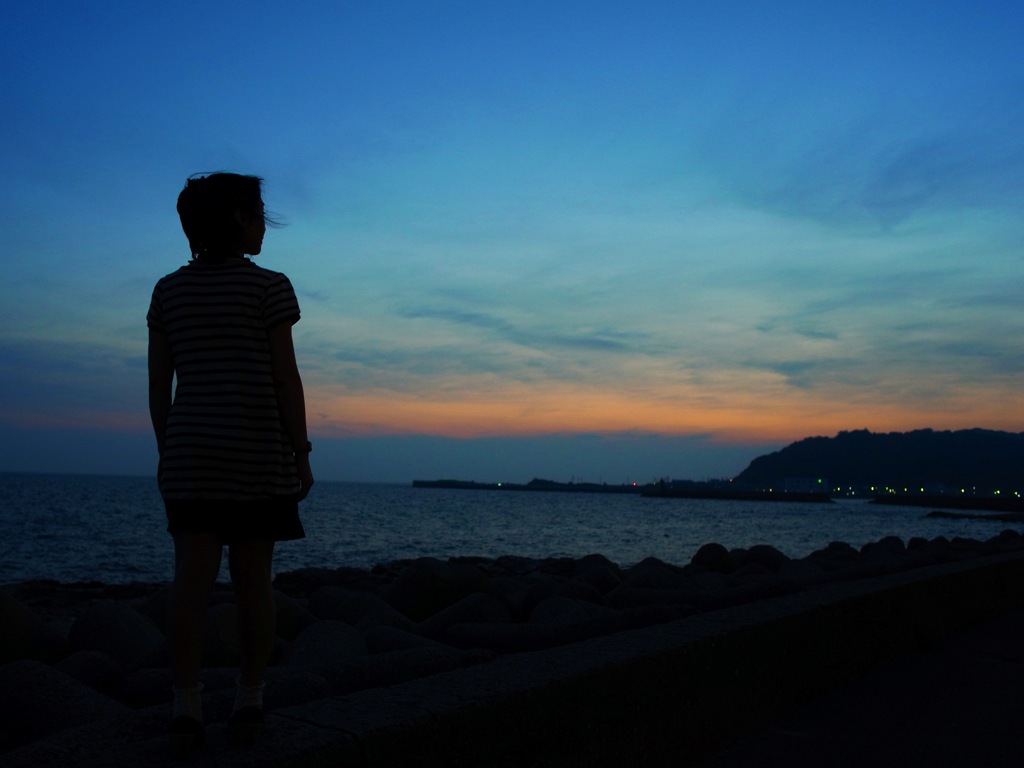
{"points": [[207, 206]]}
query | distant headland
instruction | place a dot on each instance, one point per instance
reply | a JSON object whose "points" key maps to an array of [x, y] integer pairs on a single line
{"points": [[975, 469]]}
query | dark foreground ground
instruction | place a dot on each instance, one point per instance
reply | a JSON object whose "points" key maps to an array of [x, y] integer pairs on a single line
{"points": [[896, 654], [957, 702]]}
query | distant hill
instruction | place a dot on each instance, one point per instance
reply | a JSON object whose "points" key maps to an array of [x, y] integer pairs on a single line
{"points": [[985, 459]]}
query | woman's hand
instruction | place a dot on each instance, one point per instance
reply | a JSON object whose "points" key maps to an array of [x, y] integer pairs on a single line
{"points": [[305, 474]]}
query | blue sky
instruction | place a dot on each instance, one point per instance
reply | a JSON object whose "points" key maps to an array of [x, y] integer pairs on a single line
{"points": [[601, 240]]}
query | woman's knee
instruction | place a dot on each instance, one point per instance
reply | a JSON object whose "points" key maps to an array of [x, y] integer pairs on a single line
{"points": [[250, 563], [197, 558]]}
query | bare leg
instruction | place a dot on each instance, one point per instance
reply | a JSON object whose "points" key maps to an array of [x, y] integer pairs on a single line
{"points": [[196, 565], [250, 562]]}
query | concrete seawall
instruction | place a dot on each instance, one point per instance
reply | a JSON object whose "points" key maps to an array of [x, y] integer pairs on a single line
{"points": [[673, 694]]}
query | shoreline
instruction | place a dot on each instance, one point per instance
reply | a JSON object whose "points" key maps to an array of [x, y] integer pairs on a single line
{"points": [[720, 492]]}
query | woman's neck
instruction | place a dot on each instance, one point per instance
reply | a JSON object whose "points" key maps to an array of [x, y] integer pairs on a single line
{"points": [[211, 256]]}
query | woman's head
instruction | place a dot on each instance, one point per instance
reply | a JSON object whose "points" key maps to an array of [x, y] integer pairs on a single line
{"points": [[222, 215]]}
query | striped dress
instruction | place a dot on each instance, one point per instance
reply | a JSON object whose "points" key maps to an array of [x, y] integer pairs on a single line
{"points": [[224, 436]]}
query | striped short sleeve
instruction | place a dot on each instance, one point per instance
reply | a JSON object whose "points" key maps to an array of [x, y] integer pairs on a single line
{"points": [[279, 303], [154, 316]]}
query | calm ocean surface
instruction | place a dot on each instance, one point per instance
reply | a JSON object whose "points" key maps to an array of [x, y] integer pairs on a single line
{"points": [[111, 529]]}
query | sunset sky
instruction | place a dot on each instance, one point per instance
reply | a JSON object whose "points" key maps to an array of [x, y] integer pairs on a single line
{"points": [[605, 240]]}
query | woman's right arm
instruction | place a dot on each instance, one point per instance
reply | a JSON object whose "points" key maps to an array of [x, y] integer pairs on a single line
{"points": [[161, 378]]}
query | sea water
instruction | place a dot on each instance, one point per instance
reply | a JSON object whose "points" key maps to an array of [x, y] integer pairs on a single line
{"points": [[75, 528]]}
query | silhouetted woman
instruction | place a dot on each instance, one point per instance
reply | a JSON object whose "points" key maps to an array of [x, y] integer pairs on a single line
{"points": [[234, 452]]}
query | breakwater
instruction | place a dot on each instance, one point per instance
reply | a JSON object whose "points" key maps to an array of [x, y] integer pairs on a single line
{"points": [[584, 657]]}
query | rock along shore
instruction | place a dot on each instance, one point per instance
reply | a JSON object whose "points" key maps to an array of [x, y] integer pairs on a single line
{"points": [[92, 658]]}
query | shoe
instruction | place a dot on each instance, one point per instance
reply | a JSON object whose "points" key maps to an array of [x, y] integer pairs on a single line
{"points": [[244, 726], [187, 737]]}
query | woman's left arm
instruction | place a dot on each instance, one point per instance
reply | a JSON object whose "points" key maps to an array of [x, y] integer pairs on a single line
{"points": [[291, 401]]}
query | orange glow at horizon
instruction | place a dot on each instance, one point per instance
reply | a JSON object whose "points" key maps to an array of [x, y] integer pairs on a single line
{"points": [[738, 416], [485, 407]]}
